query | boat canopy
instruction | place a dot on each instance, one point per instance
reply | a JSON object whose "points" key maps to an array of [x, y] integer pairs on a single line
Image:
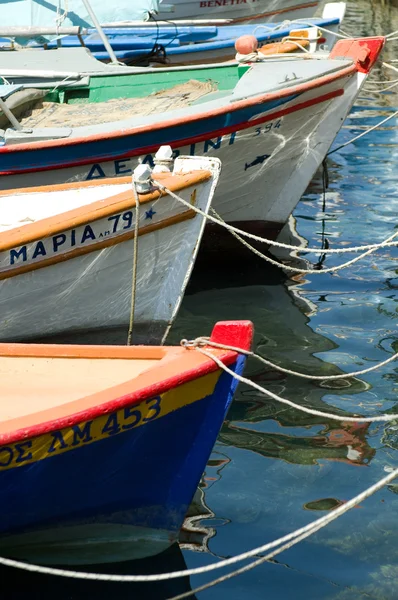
{"points": [[41, 20]]}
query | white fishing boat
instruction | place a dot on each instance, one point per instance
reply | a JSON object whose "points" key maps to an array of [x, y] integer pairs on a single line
{"points": [[68, 253], [271, 123]]}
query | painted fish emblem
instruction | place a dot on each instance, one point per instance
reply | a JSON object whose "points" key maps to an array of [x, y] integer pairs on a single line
{"points": [[257, 161]]}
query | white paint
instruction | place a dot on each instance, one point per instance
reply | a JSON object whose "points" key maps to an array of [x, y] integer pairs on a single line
{"points": [[238, 9], [94, 290]]}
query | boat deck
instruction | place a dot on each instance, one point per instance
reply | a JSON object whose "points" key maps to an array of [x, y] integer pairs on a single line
{"points": [[32, 384], [80, 114]]}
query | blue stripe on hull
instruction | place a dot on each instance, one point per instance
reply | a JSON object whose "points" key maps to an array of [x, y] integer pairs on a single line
{"points": [[144, 477], [112, 148]]}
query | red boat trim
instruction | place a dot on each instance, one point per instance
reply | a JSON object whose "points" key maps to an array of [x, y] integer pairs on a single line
{"points": [[237, 333], [232, 107], [188, 141]]}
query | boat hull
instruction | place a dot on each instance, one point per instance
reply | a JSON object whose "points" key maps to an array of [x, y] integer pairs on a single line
{"points": [[240, 10], [269, 152], [80, 280], [133, 471]]}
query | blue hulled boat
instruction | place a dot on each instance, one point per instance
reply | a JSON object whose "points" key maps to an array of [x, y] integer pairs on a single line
{"points": [[102, 447]]}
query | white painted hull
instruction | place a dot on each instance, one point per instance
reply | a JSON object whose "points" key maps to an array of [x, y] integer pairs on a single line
{"points": [[93, 290], [244, 10], [253, 189]]}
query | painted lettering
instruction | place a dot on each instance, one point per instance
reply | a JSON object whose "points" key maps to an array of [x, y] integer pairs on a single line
{"points": [[16, 254], [96, 172], [209, 143], [58, 240], [115, 219], [88, 234], [73, 238], [111, 426], [154, 408], [148, 160], [6, 456], [39, 250], [58, 442], [23, 455], [127, 217], [121, 168], [82, 434], [133, 413]]}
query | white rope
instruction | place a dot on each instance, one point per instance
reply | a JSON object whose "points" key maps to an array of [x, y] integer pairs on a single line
{"points": [[204, 341], [135, 260], [304, 271], [298, 535], [380, 91], [318, 523], [389, 66], [394, 114], [285, 24], [310, 411], [257, 238]]}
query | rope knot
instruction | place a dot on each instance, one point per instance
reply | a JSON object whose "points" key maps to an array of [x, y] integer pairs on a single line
{"points": [[198, 342]]}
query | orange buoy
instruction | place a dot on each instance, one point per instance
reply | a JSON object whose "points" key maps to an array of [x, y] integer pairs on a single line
{"points": [[246, 44]]}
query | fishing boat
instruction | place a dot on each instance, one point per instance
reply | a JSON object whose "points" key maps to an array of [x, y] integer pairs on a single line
{"points": [[175, 44], [120, 434], [271, 123], [68, 253], [239, 10]]}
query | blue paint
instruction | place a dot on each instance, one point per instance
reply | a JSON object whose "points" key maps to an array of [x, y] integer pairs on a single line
{"points": [[149, 213], [117, 149], [119, 478]]}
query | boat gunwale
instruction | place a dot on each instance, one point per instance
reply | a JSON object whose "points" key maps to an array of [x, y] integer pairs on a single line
{"points": [[318, 82], [180, 365], [49, 226]]}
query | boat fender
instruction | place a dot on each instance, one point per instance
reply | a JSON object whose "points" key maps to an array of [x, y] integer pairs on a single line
{"points": [[163, 160], [246, 44], [142, 178]]}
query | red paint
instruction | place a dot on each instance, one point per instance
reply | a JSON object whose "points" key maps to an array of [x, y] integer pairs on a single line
{"points": [[364, 52], [236, 333]]}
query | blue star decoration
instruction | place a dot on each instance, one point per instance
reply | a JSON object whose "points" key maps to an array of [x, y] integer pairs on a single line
{"points": [[149, 213]]}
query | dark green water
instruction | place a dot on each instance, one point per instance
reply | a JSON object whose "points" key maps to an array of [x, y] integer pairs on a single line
{"points": [[275, 469]]}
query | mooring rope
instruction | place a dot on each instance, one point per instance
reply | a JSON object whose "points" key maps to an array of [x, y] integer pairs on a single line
{"points": [[257, 238], [307, 529], [205, 341], [263, 390], [363, 133], [303, 21], [135, 261], [297, 536], [304, 271]]}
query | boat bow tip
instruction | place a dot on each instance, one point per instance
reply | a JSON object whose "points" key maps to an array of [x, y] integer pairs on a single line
{"points": [[363, 51], [233, 333]]}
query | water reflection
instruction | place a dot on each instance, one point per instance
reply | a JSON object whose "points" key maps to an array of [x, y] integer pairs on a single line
{"points": [[19, 585], [282, 335]]}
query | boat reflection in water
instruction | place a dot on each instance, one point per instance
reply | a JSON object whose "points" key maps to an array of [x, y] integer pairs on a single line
{"points": [[282, 335], [18, 585]]}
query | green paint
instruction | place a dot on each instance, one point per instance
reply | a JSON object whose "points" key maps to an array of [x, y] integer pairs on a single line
{"points": [[139, 85]]}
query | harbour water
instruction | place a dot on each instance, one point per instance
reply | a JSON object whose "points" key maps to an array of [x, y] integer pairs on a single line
{"points": [[275, 469]]}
